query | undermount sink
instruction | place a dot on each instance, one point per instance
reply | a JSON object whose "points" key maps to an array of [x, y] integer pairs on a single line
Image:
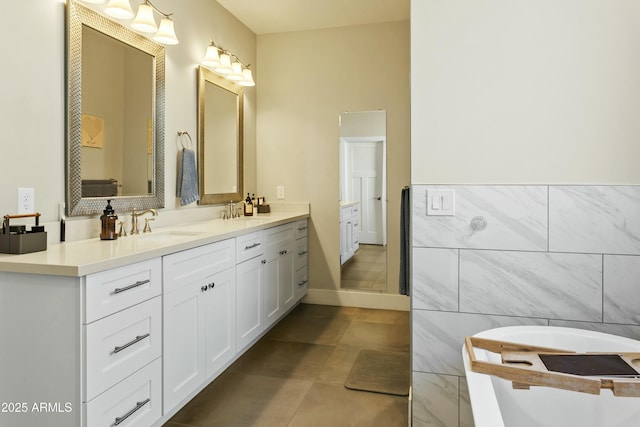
{"points": [[168, 235]]}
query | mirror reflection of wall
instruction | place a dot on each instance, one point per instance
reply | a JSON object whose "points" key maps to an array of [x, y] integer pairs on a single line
{"points": [[363, 200], [222, 135], [121, 109]]}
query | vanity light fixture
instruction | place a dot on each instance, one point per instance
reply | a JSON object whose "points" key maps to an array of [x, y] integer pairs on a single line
{"points": [[227, 65], [120, 9], [144, 21]]}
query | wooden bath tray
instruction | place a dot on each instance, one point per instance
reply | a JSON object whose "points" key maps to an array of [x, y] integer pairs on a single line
{"points": [[528, 365]]}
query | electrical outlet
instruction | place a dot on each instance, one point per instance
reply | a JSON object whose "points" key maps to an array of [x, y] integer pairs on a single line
{"points": [[280, 192], [26, 201]]}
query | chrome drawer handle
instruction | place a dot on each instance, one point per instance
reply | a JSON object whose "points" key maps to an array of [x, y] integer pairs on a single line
{"points": [[304, 282], [302, 228], [139, 405], [139, 338], [255, 245], [302, 253], [135, 285]]}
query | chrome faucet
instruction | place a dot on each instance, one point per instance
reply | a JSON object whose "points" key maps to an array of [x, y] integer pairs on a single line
{"points": [[134, 220]]}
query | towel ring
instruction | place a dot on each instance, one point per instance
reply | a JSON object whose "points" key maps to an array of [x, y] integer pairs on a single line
{"points": [[181, 134]]}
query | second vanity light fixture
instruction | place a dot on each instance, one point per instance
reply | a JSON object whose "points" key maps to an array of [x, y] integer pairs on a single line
{"points": [[227, 65], [145, 21]]}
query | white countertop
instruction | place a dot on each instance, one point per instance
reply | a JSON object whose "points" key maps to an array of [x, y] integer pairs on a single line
{"points": [[93, 255], [346, 204]]}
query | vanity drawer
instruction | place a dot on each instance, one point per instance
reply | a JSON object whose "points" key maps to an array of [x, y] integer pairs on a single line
{"points": [[301, 283], [301, 228], [301, 253], [119, 345], [138, 398], [248, 246], [183, 268], [113, 290]]}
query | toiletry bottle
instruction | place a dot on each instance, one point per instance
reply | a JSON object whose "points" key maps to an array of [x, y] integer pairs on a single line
{"points": [[248, 206], [255, 205], [108, 219]]}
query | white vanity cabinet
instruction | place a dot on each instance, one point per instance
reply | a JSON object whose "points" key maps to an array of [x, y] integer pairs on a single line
{"points": [[349, 231], [249, 289], [103, 334], [199, 317], [301, 281], [122, 337], [279, 293]]}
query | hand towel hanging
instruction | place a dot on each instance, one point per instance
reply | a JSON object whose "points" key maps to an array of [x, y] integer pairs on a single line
{"points": [[187, 184]]}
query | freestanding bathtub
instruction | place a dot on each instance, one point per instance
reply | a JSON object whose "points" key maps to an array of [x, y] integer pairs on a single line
{"points": [[495, 403]]}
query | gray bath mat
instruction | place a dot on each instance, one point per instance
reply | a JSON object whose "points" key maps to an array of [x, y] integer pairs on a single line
{"points": [[380, 372]]}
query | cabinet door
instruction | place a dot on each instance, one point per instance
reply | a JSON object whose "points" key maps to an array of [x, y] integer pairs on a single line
{"points": [[286, 276], [249, 291], [183, 345], [271, 302], [220, 327]]}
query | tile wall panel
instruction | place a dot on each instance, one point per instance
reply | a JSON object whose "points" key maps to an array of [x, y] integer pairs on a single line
{"points": [[534, 284], [595, 219], [622, 289], [435, 279], [558, 255], [437, 337], [435, 400], [516, 218]]}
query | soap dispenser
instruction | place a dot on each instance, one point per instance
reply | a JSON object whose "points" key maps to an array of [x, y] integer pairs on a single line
{"points": [[108, 220]]}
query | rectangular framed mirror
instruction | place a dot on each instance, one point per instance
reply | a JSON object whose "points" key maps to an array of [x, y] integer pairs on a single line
{"points": [[220, 138], [115, 115]]}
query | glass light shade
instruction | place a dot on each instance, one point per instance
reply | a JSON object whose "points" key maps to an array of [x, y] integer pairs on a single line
{"points": [[94, 1], [247, 78], [144, 21], [236, 72], [166, 34], [212, 57], [120, 9], [225, 64]]}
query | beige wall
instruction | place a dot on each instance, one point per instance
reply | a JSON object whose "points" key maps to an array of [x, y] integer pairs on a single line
{"points": [[32, 108], [306, 80], [525, 92]]}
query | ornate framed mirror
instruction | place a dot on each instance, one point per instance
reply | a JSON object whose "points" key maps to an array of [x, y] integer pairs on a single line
{"points": [[220, 138], [115, 115]]}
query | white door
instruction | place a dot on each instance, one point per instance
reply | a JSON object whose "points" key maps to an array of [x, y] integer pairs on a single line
{"points": [[220, 326], [365, 178], [249, 291]]}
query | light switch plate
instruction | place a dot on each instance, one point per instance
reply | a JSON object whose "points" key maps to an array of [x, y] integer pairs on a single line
{"points": [[441, 202]]}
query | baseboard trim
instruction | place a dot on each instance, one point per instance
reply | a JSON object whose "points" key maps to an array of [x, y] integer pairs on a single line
{"points": [[357, 299]]}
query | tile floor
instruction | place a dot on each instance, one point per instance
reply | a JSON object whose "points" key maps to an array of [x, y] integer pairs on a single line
{"points": [[367, 269], [294, 376]]}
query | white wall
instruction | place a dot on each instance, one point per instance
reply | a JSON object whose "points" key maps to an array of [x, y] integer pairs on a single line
{"points": [[306, 80], [516, 91], [33, 101]]}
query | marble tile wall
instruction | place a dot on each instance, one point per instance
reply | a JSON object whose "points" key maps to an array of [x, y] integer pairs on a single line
{"points": [[549, 255]]}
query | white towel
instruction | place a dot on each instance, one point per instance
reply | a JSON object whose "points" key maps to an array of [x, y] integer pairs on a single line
{"points": [[187, 185]]}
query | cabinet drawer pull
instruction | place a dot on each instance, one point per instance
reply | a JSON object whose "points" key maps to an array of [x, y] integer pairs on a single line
{"points": [[255, 245], [139, 338], [264, 261], [212, 285], [302, 253], [135, 285], [302, 228], [139, 405], [304, 282], [284, 252], [203, 288]]}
